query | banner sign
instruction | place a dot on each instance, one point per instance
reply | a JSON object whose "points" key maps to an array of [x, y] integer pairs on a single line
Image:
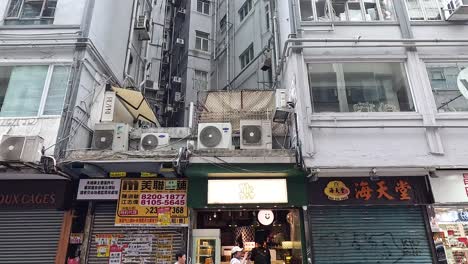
{"points": [[363, 190], [52, 194], [98, 189], [450, 187], [248, 191], [152, 202]]}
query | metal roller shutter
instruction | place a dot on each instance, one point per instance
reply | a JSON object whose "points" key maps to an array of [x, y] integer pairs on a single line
{"points": [[29, 236], [104, 219], [367, 234]]}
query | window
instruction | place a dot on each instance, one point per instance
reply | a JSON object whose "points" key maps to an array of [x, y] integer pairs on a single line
{"points": [[247, 56], [203, 6], [245, 9], [267, 17], [223, 23], [359, 87], [30, 12], [26, 91], [446, 87], [201, 40], [424, 10], [339, 10], [200, 80]]}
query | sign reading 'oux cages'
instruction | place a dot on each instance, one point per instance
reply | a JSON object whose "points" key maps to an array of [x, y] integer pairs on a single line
{"points": [[152, 202], [247, 191]]}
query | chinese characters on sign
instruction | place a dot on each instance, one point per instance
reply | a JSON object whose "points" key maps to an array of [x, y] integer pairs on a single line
{"points": [[94, 189], [397, 190], [152, 202]]}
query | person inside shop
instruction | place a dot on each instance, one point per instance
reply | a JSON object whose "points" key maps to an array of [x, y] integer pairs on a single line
{"points": [[260, 254], [180, 257], [238, 256]]}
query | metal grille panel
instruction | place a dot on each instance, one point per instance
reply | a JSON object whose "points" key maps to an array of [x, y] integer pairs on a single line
{"points": [[104, 219], [29, 236], [350, 235]]}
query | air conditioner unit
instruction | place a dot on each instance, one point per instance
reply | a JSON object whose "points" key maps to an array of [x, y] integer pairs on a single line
{"points": [[110, 136], [180, 41], [152, 141], [214, 136], [142, 27], [457, 10], [255, 134], [151, 85], [21, 148], [177, 79]]}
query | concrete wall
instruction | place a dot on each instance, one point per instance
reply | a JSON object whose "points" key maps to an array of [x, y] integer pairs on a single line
{"points": [[109, 32]]}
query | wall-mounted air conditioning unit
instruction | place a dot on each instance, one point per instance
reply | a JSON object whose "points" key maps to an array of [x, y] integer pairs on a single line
{"points": [[151, 85], [180, 41], [214, 136], [176, 79], [153, 141], [110, 136], [142, 27], [21, 148], [457, 10], [255, 134]]}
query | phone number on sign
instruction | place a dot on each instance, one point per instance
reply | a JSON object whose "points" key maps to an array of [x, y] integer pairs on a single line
{"points": [[162, 199]]}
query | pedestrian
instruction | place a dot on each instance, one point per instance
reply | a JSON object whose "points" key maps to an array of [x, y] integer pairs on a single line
{"points": [[260, 254], [238, 256], [180, 257]]}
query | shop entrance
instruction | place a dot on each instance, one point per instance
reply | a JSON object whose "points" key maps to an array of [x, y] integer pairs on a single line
{"points": [[218, 231]]}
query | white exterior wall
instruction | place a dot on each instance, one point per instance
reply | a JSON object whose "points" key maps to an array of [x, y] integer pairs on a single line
{"points": [[382, 146], [109, 32]]}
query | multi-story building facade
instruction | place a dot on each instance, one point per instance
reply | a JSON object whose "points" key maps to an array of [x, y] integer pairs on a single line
{"points": [[56, 58], [379, 92], [216, 45]]}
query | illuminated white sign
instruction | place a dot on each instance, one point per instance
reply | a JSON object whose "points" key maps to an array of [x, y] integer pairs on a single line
{"points": [[98, 189], [247, 191], [462, 82], [266, 217]]}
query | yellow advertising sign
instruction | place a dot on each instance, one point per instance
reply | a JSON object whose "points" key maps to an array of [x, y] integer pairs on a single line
{"points": [[152, 202]]}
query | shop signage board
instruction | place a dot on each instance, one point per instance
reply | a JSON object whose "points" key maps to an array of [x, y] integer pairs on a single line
{"points": [[249, 191], [363, 190], [149, 202], [450, 187], [50, 194], [98, 189]]}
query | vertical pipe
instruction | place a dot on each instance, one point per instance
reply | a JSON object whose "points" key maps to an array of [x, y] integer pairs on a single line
{"points": [[228, 53], [130, 37]]}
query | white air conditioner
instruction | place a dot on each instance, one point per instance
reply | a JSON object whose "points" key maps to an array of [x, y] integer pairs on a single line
{"points": [[142, 28], [21, 148], [142, 23], [151, 85], [180, 41], [457, 10], [110, 136], [177, 79], [214, 136], [153, 141], [255, 134]]}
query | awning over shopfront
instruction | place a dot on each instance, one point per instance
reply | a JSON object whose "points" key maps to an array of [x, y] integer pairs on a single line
{"points": [[136, 104]]}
